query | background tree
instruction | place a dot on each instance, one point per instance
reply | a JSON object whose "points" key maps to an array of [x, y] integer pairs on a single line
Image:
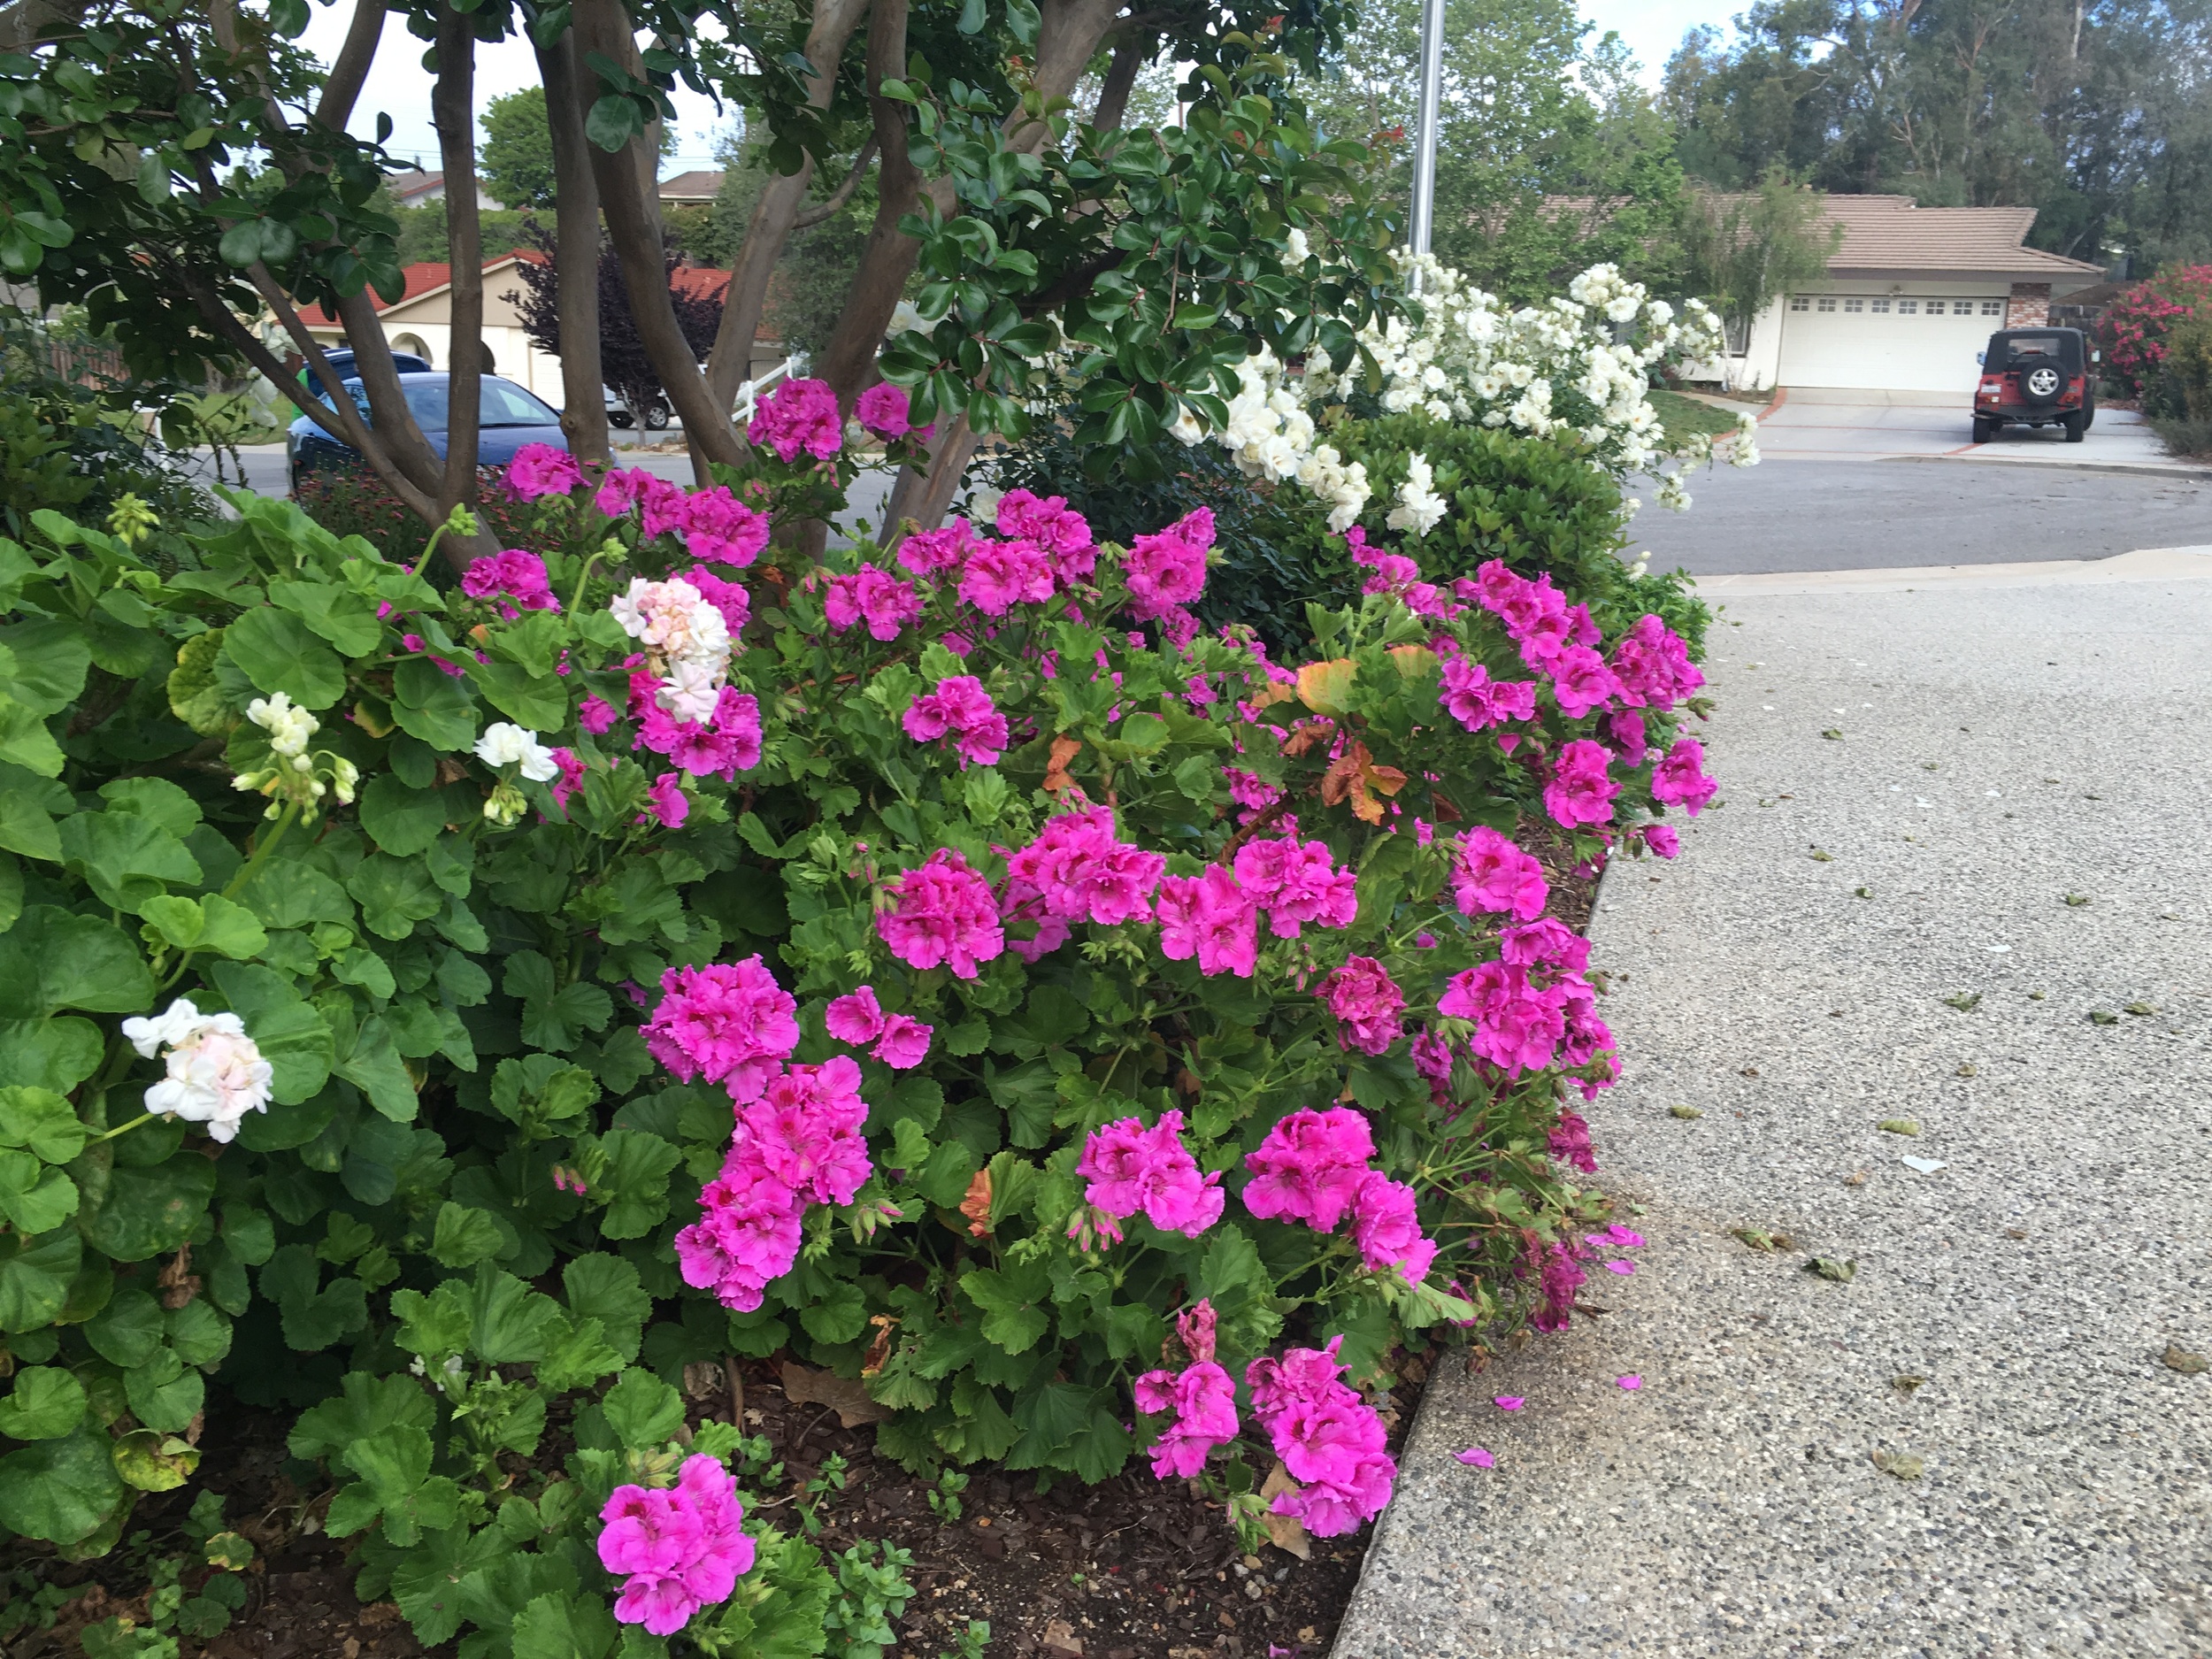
{"points": [[1743, 249], [517, 157], [623, 360]]}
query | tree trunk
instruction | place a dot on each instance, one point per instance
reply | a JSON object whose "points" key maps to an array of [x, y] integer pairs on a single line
{"points": [[453, 113], [575, 257], [1132, 53]]}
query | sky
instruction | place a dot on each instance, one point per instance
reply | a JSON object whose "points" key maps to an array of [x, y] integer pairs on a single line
{"points": [[398, 85]]}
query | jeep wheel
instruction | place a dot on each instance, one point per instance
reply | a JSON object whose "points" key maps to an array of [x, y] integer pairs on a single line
{"points": [[2041, 384], [2077, 427], [1986, 428]]}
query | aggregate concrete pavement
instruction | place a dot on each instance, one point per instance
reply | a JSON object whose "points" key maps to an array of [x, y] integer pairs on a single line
{"points": [[2002, 746], [1833, 425], [1849, 514]]}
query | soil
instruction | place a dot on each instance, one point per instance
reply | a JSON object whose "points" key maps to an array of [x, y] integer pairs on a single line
{"points": [[1134, 1568]]}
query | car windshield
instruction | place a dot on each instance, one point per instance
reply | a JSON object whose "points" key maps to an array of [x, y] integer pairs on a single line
{"points": [[431, 403]]}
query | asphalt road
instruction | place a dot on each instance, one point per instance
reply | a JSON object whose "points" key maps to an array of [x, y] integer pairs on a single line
{"points": [[1785, 515]]}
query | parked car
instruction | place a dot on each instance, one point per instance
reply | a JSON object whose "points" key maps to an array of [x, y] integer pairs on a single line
{"points": [[2037, 377], [342, 359], [508, 418], [619, 414]]}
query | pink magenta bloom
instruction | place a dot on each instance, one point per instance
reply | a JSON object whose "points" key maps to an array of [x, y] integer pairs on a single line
{"points": [[798, 416], [1310, 1167], [959, 708], [1367, 1003], [804, 1131], [1211, 918], [996, 576], [1569, 1141], [682, 1547], [572, 778], [1195, 1328], [747, 1235], [942, 912], [595, 714], [1580, 792], [1549, 943], [1680, 780], [668, 806], [1131, 1167], [885, 410], [1653, 665], [729, 597], [1581, 682], [1517, 1026], [1490, 874], [901, 1041], [1204, 1398], [1167, 569], [729, 743], [1387, 1228], [721, 529], [1297, 883], [1052, 524], [1478, 701], [1078, 870], [515, 578], [621, 489], [1661, 840], [1475, 1458], [930, 552], [539, 470], [874, 596], [1327, 1437], [729, 1022]]}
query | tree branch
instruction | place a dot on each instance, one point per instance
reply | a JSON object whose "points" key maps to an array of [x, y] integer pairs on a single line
{"points": [[453, 113], [342, 87], [841, 195], [1132, 52], [575, 255]]}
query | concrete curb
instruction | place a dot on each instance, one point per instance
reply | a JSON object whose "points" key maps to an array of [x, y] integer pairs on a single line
{"points": [[2146, 565], [2138, 469]]}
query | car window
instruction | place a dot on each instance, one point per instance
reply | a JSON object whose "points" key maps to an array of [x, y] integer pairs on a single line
{"points": [[429, 401], [506, 404]]}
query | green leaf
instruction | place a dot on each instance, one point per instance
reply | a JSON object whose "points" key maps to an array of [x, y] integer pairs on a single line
{"points": [[643, 1411], [279, 652], [337, 614], [293, 1036], [394, 894], [1011, 1302], [26, 827], [367, 1407], [43, 1121], [839, 1314], [197, 1333], [635, 1182], [606, 1288], [56, 1055], [558, 1626], [506, 1318], [59, 1490], [35, 1275], [401, 820], [395, 1489], [213, 923], [376, 1067], [535, 702], [465, 1237], [26, 741], [613, 120], [46, 1404], [165, 1393], [125, 856], [128, 1330], [430, 704], [290, 893], [51, 960], [147, 1211], [33, 1196], [314, 1319], [45, 663]]}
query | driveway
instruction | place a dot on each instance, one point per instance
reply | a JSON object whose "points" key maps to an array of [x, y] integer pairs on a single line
{"points": [[1810, 429]]}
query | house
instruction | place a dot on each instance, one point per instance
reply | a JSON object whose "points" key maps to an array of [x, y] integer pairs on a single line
{"points": [[416, 188], [691, 189], [421, 322], [1911, 294]]}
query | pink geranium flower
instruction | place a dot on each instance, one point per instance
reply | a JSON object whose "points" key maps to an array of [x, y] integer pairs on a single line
{"points": [[1310, 1166], [960, 709], [539, 470], [729, 1022], [682, 1547], [874, 596], [1211, 918], [1131, 1167], [941, 913], [798, 416]]}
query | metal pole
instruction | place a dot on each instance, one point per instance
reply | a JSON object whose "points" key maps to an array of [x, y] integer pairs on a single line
{"points": [[1424, 139]]}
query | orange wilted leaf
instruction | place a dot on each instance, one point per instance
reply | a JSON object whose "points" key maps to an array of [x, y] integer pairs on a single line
{"points": [[1308, 734], [1064, 749], [1413, 661], [977, 1205], [1273, 691], [879, 1349], [1325, 688], [1354, 776]]}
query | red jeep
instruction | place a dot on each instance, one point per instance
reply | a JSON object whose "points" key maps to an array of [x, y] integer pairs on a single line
{"points": [[2036, 377]]}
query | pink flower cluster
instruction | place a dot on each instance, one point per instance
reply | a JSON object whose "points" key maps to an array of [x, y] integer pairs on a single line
{"points": [[798, 1141], [721, 529], [1313, 1167], [1131, 1167], [1367, 1003], [1532, 1004], [539, 470], [515, 578], [730, 1022], [1395, 573], [1680, 780], [1328, 1438], [884, 412], [1211, 918], [728, 741], [1202, 1396], [1491, 874], [874, 596], [1078, 870], [681, 1546], [1166, 571], [1297, 882], [1580, 790], [960, 709], [942, 912], [1479, 703], [798, 416], [1049, 524], [1652, 665], [901, 1041]]}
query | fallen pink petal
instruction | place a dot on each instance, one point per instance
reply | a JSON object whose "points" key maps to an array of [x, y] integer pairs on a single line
{"points": [[1623, 1237], [1620, 1267], [1632, 1382], [1475, 1458], [1509, 1403]]}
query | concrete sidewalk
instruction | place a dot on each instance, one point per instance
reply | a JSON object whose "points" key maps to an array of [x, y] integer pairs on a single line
{"points": [[2001, 748], [1805, 426]]}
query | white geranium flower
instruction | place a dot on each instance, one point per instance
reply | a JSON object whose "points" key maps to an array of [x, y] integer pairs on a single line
{"points": [[216, 1074], [289, 727], [506, 744]]}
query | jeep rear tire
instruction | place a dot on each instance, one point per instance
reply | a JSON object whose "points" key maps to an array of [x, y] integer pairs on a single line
{"points": [[1987, 428], [2077, 427], [2040, 385]]}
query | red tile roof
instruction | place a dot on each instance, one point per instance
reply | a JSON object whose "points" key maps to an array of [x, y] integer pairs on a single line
{"points": [[421, 279]]}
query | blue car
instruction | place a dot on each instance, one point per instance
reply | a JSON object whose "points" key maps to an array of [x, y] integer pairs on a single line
{"points": [[510, 418]]}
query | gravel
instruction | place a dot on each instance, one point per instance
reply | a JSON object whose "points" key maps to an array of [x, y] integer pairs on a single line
{"points": [[1733, 1504]]}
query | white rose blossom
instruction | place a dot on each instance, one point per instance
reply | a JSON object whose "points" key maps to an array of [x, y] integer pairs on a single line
{"points": [[686, 639], [216, 1074], [506, 744]]}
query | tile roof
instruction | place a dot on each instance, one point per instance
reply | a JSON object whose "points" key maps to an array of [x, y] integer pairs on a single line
{"points": [[698, 186], [421, 279], [1888, 232], [403, 185]]}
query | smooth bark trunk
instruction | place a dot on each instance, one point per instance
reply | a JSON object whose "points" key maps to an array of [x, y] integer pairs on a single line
{"points": [[453, 113], [575, 257]]}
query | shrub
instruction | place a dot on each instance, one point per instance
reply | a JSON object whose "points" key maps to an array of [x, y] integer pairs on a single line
{"points": [[2134, 329], [986, 997], [354, 502]]}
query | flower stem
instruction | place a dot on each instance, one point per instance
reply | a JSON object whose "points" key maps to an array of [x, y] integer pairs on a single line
{"points": [[145, 1119]]}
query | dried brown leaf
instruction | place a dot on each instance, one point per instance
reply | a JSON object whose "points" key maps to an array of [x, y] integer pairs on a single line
{"points": [[848, 1396], [1286, 1532]]}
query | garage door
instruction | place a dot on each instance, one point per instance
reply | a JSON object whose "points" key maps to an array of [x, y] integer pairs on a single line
{"points": [[1887, 342]]}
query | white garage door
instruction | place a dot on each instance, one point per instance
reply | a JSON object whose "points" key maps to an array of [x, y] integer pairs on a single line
{"points": [[1887, 342]]}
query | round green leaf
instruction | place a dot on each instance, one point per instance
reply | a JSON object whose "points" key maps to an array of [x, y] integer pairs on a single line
{"points": [[146, 1212], [52, 959], [34, 1278], [279, 652], [46, 1404], [128, 1330], [58, 1490]]}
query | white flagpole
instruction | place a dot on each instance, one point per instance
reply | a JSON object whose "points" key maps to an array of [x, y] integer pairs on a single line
{"points": [[1424, 139]]}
